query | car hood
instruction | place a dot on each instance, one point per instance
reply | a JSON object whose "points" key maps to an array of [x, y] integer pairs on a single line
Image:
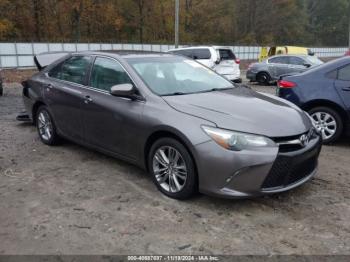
{"points": [[242, 109]]}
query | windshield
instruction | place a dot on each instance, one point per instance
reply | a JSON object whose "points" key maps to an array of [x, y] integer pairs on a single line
{"points": [[314, 60], [177, 75]]}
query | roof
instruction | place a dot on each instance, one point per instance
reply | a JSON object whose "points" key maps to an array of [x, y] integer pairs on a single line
{"points": [[127, 53]]}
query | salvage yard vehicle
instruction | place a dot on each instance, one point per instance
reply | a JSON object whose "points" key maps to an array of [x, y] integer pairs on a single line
{"points": [[191, 128], [220, 59], [324, 92], [283, 50], [271, 69]]}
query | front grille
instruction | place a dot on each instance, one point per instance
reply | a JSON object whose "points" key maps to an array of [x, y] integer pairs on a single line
{"points": [[288, 170]]}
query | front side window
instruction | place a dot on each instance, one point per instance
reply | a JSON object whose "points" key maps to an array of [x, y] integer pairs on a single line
{"points": [[72, 70], [279, 60], [177, 75], [107, 73], [344, 73]]}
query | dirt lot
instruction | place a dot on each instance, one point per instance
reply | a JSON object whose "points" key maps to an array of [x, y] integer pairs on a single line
{"points": [[70, 200]]}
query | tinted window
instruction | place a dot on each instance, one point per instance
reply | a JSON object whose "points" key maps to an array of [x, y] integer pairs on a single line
{"points": [[72, 70], [187, 53], [107, 73], [296, 60], [279, 60], [344, 73], [226, 54], [202, 53]]}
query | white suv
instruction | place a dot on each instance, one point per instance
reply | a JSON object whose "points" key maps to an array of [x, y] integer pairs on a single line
{"points": [[221, 59]]}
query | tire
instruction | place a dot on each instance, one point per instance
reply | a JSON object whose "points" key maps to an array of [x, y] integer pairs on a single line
{"points": [[324, 118], [263, 78], [186, 177], [42, 118]]}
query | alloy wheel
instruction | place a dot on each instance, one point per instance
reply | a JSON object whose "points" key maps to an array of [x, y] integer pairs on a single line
{"points": [[325, 124], [170, 169], [45, 125]]}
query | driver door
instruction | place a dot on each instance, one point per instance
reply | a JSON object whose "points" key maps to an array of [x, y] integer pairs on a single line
{"points": [[111, 123]]}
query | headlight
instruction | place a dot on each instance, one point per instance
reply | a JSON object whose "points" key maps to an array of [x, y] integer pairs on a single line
{"points": [[237, 141]]}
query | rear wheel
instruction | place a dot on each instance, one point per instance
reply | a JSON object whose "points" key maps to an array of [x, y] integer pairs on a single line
{"points": [[263, 78], [172, 169], [46, 127], [328, 122]]}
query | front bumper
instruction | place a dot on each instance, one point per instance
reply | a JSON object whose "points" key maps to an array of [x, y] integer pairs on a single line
{"points": [[246, 174], [250, 75]]}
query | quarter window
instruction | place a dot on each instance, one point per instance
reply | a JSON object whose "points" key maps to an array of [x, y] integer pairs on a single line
{"points": [[344, 73], [72, 70], [107, 73]]}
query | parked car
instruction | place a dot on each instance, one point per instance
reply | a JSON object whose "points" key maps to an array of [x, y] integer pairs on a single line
{"points": [[1, 86], [271, 69], [267, 52], [188, 126], [324, 92], [347, 53], [221, 59]]}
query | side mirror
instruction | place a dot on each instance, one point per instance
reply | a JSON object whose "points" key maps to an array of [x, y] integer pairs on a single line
{"points": [[307, 65], [217, 62], [124, 90]]}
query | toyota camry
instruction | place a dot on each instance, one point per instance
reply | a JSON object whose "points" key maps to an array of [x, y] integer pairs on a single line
{"points": [[190, 128]]}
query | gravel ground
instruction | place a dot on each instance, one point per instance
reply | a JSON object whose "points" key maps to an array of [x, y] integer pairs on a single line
{"points": [[70, 200]]}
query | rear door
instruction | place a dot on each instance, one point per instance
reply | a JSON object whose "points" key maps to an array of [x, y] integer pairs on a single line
{"points": [[342, 84], [110, 122], [63, 95], [227, 65], [278, 66]]}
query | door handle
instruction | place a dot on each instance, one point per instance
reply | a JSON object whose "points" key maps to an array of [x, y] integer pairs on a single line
{"points": [[88, 100], [346, 89]]}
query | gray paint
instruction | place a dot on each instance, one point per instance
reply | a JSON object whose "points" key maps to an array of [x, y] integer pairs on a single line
{"points": [[121, 127]]}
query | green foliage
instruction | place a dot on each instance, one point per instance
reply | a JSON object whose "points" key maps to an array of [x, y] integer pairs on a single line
{"points": [[248, 22]]}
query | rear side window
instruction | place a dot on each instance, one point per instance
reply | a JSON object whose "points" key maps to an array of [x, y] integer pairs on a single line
{"points": [[344, 73], [279, 60], [201, 53], [227, 54], [187, 53], [294, 60], [72, 70], [107, 73]]}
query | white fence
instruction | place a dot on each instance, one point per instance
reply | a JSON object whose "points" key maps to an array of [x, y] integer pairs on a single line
{"points": [[17, 55]]}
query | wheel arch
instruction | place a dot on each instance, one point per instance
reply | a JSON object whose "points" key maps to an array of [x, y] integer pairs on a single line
{"points": [[325, 103], [171, 133], [35, 108]]}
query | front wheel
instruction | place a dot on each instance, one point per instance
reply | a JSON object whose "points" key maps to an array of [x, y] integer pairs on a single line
{"points": [[46, 127], [263, 78], [172, 169], [328, 122]]}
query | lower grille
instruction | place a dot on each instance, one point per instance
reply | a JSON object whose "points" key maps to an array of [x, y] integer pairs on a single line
{"points": [[288, 170]]}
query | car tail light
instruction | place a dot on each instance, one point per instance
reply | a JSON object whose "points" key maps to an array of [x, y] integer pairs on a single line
{"points": [[286, 84], [238, 61]]}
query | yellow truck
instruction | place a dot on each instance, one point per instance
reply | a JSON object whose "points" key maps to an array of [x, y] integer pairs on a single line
{"points": [[267, 52]]}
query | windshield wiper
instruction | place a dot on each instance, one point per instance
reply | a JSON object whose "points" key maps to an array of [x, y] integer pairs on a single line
{"points": [[176, 94]]}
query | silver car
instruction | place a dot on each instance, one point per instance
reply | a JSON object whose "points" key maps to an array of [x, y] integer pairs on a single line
{"points": [[190, 128], [272, 68]]}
